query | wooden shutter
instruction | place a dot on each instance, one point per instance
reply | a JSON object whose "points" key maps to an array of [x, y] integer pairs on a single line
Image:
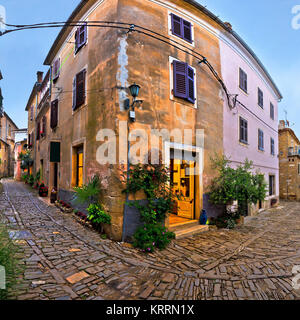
{"points": [[180, 79], [243, 80], [272, 111], [77, 40], [44, 126], [54, 114], [29, 139], [54, 151], [56, 69], [80, 88], [191, 84], [38, 129], [187, 30], [176, 25], [74, 93]]}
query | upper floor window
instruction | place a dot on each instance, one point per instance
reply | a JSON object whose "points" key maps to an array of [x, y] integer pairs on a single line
{"points": [[54, 114], [243, 80], [260, 140], [38, 131], [272, 147], [184, 81], [44, 126], [80, 37], [56, 69], [31, 113], [79, 89], [181, 28], [243, 130], [272, 112], [260, 98]]}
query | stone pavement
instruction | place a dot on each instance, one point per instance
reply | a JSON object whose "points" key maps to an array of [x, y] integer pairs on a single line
{"points": [[64, 260]]}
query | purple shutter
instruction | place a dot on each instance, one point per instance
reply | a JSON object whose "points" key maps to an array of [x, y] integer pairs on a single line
{"points": [[187, 30], [191, 84], [74, 93], [54, 114], [56, 69], [80, 88], [176, 25], [180, 79]]}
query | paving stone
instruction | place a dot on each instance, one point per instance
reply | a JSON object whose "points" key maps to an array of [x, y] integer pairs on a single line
{"points": [[77, 277]]}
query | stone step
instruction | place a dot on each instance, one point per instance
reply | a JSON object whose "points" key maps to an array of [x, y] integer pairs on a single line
{"points": [[183, 225], [180, 234]]}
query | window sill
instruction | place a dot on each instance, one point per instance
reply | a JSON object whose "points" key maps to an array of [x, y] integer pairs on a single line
{"points": [[262, 151], [244, 92], [79, 108], [262, 107], [244, 144]]}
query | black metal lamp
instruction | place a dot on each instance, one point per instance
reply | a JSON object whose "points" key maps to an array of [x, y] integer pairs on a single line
{"points": [[134, 90]]}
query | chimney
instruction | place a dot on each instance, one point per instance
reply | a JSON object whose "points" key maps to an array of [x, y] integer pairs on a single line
{"points": [[39, 76], [228, 25], [281, 124]]}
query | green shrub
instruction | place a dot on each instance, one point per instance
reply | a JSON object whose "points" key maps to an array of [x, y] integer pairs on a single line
{"points": [[30, 180], [9, 260], [24, 177], [90, 192], [98, 216], [151, 236]]}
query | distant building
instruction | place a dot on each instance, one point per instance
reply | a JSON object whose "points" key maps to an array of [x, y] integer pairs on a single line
{"points": [[20, 146], [7, 143], [289, 163]]}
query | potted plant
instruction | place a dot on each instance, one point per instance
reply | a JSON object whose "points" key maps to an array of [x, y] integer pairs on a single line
{"points": [[53, 195], [43, 190]]}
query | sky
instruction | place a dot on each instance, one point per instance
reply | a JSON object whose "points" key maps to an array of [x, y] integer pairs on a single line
{"points": [[265, 25]]}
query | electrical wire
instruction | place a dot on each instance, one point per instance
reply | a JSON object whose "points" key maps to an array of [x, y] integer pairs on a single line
{"points": [[132, 28]]}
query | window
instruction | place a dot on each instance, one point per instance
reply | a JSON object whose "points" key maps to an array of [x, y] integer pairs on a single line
{"points": [[260, 140], [260, 98], [184, 81], [56, 69], [80, 37], [77, 166], [272, 111], [44, 126], [271, 185], [38, 131], [181, 28], [243, 130], [31, 113], [54, 114], [243, 80], [299, 168], [272, 147], [79, 89]]}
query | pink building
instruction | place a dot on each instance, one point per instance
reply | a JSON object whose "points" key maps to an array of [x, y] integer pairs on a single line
{"points": [[250, 124]]}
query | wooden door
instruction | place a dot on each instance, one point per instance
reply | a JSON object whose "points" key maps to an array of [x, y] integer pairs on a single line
{"points": [[184, 187]]}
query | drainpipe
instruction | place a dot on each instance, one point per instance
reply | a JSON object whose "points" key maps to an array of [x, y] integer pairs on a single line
{"points": [[127, 194]]}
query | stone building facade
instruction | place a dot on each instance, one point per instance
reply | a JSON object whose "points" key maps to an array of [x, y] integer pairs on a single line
{"points": [[289, 163], [7, 143], [172, 50]]}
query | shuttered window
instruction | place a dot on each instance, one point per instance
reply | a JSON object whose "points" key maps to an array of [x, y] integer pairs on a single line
{"points": [[184, 81], [260, 98], [272, 146], [44, 126], [80, 37], [271, 185], [181, 28], [38, 130], [79, 89], [56, 69], [31, 113], [260, 140], [54, 114], [243, 130], [243, 80]]}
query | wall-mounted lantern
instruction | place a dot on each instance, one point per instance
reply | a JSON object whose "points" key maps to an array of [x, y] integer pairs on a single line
{"points": [[134, 91]]}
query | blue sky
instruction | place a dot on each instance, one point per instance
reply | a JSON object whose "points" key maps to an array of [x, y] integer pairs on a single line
{"points": [[264, 24]]}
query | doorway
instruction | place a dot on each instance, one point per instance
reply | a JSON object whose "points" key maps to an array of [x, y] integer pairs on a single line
{"points": [[183, 182]]}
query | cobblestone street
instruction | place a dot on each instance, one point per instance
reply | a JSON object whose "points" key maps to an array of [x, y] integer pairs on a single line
{"points": [[64, 260]]}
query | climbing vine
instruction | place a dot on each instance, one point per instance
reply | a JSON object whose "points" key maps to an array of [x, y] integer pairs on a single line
{"points": [[154, 181]]}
